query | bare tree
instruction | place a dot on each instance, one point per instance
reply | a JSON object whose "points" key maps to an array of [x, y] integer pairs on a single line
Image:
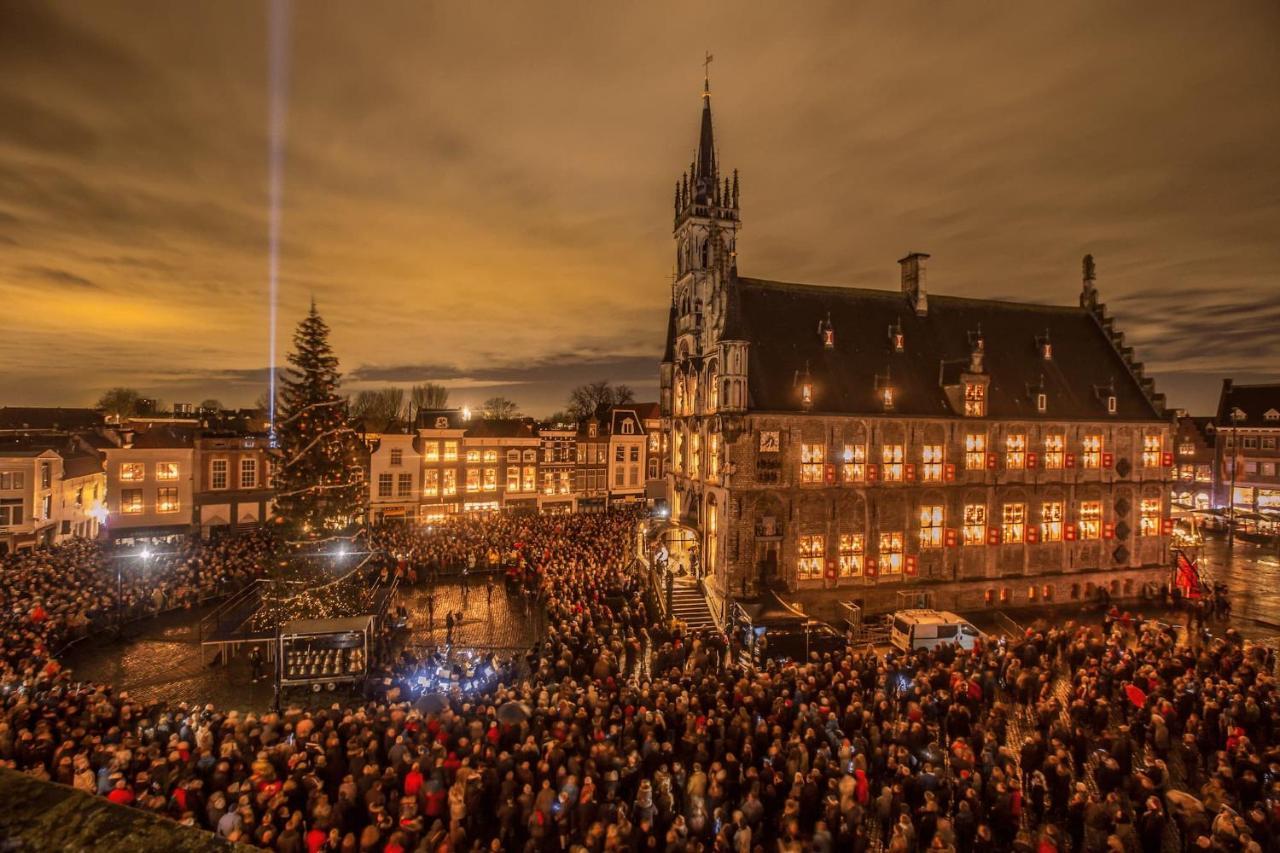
{"points": [[498, 408], [211, 405], [119, 403], [381, 409], [595, 397], [428, 395]]}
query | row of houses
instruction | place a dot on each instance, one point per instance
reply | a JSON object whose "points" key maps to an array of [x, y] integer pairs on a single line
{"points": [[67, 473]]}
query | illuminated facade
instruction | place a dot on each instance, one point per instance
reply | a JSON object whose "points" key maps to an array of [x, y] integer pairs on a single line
{"points": [[854, 444], [1247, 451]]}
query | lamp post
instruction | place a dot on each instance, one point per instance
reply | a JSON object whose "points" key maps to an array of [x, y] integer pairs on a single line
{"points": [[1231, 494], [145, 554]]}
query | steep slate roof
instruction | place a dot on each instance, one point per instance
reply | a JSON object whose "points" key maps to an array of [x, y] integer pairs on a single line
{"points": [[80, 465], [1254, 400], [501, 428], [165, 437], [781, 322]]}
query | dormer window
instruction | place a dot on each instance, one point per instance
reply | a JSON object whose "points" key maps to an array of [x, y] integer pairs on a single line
{"points": [[827, 333], [896, 338], [975, 400], [806, 394], [885, 391], [886, 394], [1044, 346], [1042, 402], [1271, 415], [1111, 404]]}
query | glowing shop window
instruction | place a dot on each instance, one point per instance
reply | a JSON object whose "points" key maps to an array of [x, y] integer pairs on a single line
{"points": [[450, 482], [931, 526], [853, 468], [975, 524], [891, 553], [490, 479], [1015, 451], [513, 478], [167, 499], [1051, 521], [1013, 524], [811, 459], [812, 548], [931, 471], [852, 548], [131, 501], [431, 483], [529, 479], [473, 479], [1054, 445], [892, 455], [1152, 447], [975, 451], [1090, 519]]}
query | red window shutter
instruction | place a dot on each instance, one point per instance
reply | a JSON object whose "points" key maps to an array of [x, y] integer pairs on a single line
{"points": [[873, 473], [1108, 460], [950, 537], [1166, 526], [1167, 460], [1070, 532], [993, 535], [910, 473], [1071, 460], [911, 565], [1031, 460], [1108, 530], [1033, 535], [991, 461], [949, 471], [831, 569], [830, 473], [870, 564]]}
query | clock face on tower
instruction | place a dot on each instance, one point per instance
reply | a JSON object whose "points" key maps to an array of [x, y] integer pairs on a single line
{"points": [[769, 441]]}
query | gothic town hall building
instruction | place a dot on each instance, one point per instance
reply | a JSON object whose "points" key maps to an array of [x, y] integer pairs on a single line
{"points": [[848, 444]]}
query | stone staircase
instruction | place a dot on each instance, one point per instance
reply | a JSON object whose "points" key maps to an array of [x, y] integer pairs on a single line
{"points": [[690, 606]]}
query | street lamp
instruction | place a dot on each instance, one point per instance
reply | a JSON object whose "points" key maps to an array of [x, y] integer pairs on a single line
{"points": [[145, 554], [1231, 494]]}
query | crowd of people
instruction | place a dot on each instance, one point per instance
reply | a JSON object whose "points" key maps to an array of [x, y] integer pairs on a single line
{"points": [[51, 597], [631, 735]]}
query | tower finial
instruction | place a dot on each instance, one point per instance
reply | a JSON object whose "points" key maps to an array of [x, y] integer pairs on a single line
{"points": [[706, 75]]}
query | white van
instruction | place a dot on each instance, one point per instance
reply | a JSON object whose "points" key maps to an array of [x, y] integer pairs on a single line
{"points": [[925, 629]]}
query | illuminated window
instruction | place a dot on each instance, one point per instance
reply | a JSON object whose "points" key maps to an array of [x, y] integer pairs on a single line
{"points": [[975, 400], [566, 482], [695, 455], [431, 451], [548, 483], [248, 473], [891, 553], [473, 479], [530, 456], [404, 485], [513, 456], [491, 455], [713, 456], [431, 483], [677, 452], [473, 455], [1152, 447], [975, 451], [397, 456], [852, 547], [218, 474], [133, 472], [806, 394], [1015, 451], [975, 524], [886, 394], [1149, 518], [167, 499], [931, 471], [513, 478], [1092, 455], [131, 501], [931, 527], [451, 451], [384, 485], [811, 459], [853, 468], [713, 390], [1013, 524], [892, 456], [10, 512], [529, 479], [490, 479], [1090, 519], [449, 483], [654, 440], [811, 551], [166, 471], [1054, 445], [1051, 521]]}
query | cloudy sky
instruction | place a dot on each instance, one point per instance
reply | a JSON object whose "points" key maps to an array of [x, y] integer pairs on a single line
{"points": [[480, 192]]}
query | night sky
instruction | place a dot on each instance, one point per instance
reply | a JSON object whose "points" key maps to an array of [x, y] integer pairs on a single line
{"points": [[481, 192]]}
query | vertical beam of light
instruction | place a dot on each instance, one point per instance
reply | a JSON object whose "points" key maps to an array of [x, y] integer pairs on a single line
{"points": [[277, 106]]}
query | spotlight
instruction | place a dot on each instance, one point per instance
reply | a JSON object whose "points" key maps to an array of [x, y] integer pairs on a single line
{"points": [[146, 553]]}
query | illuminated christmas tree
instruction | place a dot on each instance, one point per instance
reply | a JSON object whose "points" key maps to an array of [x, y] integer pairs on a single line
{"points": [[320, 485]]}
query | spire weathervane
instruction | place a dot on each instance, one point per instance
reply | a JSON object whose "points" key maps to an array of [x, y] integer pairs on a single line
{"points": [[706, 75]]}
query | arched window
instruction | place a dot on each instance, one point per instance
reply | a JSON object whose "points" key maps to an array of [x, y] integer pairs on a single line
{"points": [[713, 387]]}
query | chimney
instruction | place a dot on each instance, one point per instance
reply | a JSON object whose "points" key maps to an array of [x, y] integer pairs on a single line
{"points": [[1089, 288], [913, 283]]}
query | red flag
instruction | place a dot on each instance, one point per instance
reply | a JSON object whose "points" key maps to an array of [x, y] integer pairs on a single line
{"points": [[1188, 577], [1135, 694]]}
